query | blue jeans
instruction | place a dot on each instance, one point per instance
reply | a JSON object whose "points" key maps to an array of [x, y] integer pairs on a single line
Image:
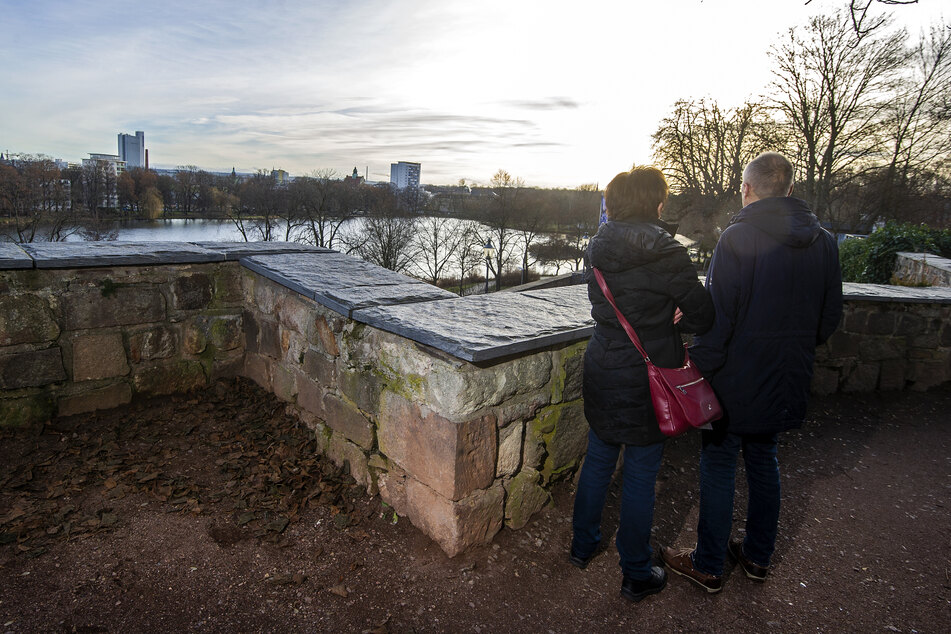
{"points": [[717, 486], [641, 465]]}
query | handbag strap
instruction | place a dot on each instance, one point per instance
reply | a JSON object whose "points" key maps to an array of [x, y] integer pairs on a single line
{"points": [[625, 324]]}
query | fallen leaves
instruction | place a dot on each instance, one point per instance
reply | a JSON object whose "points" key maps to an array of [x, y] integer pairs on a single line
{"points": [[232, 447]]}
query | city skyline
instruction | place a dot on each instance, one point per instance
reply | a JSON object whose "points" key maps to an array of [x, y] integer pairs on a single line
{"points": [[554, 94]]}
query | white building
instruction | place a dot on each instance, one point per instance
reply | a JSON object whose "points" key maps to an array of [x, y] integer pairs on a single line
{"points": [[404, 175], [132, 149]]}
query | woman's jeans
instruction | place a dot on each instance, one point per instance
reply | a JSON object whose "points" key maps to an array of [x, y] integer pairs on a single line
{"points": [[641, 465], [717, 485]]}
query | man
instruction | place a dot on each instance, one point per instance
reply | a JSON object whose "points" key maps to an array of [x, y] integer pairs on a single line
{"points": [[777, 288]]}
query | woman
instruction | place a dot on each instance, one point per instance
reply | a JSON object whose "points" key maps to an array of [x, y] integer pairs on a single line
{"points": [[656, 288]]}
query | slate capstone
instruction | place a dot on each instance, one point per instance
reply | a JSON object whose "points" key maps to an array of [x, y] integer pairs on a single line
{"points": [[13, 257], [903, 294], [61, 255], [486, 327], [236, 250], [341, 282]]}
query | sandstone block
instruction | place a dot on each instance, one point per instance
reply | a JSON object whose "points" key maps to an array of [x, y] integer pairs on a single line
{"points": [[344, 453], [843, 344], [269, 339], [455, 525], [99, 356], [192, 292], [521, 409], [824, 381], [452, 458], [320, 369], [258, 368], [168, 377], [392, 485], [26, 319], [510, 449], [21, 412], [310, 397], [122, 306], [564, 432], [227, 285], [31, 369], [228, 364], [347, 420], [879, 348], [881, 323], [524, 497], [325, 336], [892, 375], [862, 378], [157, 343], [362, 387], [251, 332], [102, 398], [284, 383], [194, 340]]}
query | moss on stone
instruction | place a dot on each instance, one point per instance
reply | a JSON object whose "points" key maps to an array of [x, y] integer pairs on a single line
{"points": [[23, 412], [560, 371]]}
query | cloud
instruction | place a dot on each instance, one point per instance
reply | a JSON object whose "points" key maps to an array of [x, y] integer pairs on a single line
{"points": [[551, 103]]}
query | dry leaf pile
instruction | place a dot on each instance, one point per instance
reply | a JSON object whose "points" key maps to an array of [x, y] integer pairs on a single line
{"points": [[229, 447]]}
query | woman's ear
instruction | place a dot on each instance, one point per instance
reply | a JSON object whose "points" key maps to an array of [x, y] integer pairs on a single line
{"points": [[660, 208]]}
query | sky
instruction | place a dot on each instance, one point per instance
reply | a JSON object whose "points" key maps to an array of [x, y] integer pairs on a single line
{"points": [[557, 93]]}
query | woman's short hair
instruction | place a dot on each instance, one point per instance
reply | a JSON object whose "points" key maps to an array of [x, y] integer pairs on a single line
{"points": [[634, 196]]}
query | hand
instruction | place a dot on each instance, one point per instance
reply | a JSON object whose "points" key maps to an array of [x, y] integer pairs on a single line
{"points": [[678, 315]]}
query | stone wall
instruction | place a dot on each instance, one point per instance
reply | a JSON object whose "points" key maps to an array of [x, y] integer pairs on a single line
{"points": [[922, 269], [459, 412]]}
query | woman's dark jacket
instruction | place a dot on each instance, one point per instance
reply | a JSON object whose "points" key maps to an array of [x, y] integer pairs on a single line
{"points": [[649, 273], [777, 287]]}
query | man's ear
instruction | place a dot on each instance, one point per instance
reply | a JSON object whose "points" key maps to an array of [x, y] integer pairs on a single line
{"points": [[789, 193]]}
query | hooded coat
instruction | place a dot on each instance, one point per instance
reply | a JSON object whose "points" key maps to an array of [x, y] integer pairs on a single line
{"points": [[649, 273], [777, 287]]}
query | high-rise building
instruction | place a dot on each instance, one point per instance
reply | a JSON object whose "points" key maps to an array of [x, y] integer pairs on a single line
{"points": [[132, 149], [404, 175]]}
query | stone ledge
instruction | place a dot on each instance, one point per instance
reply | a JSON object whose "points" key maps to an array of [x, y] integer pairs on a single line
{"points": [[65, 255], [341, 282], [486, 327], [902, 294], [13, 257], [234, 251]]}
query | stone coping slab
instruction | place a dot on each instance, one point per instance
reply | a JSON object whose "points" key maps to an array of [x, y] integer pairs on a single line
{"points": [[63, 255], [904, 294], [13, 257], [481, 328], [236, 250], [342, 282], [930, 259]]}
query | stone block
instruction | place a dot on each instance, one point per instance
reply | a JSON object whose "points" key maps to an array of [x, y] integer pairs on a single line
{"points": [[320, 368], [284, 383], [100, 398], [892, 375], [325, 336], [843, 345], [99, 356], [224, 332], [522, 409], [564, 432], [269, 339], [34, 368], [227, 286], [297, 314], [574, 374], [251, 332], [879, 348], [881, 323], [227, 365], [347, 420], [344, 453], [362, 387], [455, 525], [392, 486], [192, 292], [924, 375], [258, 368], [21, 412], [452, 458], [824, 381], [862, 378], [855, 320], [310, 397], [113, 306], [26, 319], [910, 324], [510, 449], [147, 345], [157, 378], [194, 340], [524, 497]]}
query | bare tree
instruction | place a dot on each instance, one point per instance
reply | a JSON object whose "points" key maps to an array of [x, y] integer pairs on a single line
{"points": [[323, 206], [859, 13], [828, 86], [439, 241], [34, 194], [500, 217], [387, 236]]}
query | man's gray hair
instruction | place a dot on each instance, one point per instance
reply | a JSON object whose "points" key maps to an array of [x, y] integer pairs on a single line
{"points": [[770, 175]]}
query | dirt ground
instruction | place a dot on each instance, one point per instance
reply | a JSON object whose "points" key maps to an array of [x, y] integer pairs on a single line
{"points": [[211, 513]]}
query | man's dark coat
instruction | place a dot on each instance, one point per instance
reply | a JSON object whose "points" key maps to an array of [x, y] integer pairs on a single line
{"points": [[649, 273], [777, 287]]}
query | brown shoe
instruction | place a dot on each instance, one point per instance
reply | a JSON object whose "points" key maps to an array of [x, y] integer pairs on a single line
{"points": [[681, 562], [753, 571]]}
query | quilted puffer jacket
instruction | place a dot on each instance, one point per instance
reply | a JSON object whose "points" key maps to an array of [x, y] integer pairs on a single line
{"points": [[650, 274]]}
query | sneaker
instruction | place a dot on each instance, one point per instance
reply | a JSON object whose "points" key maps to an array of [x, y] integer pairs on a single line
{"points": [[681, 562], [635, 589], [753, 571]]}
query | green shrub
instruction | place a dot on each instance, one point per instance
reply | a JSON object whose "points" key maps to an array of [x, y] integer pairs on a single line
{"points": [[853, 255], [872, 260]]}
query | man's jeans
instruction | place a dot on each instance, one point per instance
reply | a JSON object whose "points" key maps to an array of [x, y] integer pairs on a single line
{"points": [[641, 465], [717, 485]]}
